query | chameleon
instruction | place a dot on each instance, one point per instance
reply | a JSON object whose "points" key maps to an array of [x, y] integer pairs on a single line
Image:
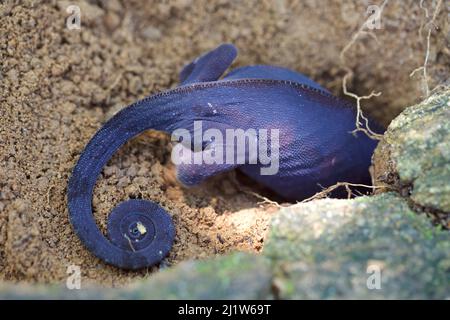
{"points": [[316, 147]]}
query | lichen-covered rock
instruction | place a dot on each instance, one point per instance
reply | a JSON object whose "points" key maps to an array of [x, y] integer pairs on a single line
{"points": [[369, 247], [414, 155], [236, 276]]}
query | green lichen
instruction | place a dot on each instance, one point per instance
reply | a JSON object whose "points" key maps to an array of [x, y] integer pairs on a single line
{"points": [[316, 250], [419, 140], [322, 249], [433, 189], [235, 276]]}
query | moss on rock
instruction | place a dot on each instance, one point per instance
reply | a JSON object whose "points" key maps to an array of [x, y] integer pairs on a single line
{"points": [[414, 155], [235, 276], [334, 248], [323, 249]]}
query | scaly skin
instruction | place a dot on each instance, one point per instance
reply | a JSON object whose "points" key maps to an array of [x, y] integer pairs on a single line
{"points": [[316, 147]]}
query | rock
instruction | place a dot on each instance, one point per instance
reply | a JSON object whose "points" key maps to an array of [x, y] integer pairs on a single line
{"points": [[111, 20], [151, 33], [330, 249], [365, 248], [236, 276], [414, 155]]}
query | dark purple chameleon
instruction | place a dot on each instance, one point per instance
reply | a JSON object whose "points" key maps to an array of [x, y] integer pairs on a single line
{"points": [[316, 147]]}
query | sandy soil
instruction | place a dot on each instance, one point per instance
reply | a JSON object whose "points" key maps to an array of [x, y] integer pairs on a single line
{"points": [[57, 87]]}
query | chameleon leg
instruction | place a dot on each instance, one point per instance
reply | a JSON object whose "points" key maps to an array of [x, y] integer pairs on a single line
{"points": [[190, 173], [209, 66]]}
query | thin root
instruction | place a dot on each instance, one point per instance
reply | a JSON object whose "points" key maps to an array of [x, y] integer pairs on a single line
{"points": [[324, 193], [361, 122], [430, 26], [246, 190], [265, 200]]}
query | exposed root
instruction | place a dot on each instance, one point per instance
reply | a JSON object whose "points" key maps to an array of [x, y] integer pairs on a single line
{"points": [[246, 190], [265, 200], [426, 16], [325, 192], [440, 87], [424, 67], [361, 122], [430, 25], [361, 31]]}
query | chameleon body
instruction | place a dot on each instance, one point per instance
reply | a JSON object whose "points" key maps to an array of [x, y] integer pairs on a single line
{"points": [[317, 148]]}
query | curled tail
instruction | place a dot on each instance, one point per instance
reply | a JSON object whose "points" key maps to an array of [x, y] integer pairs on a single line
{"points": [[140, 232]]}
